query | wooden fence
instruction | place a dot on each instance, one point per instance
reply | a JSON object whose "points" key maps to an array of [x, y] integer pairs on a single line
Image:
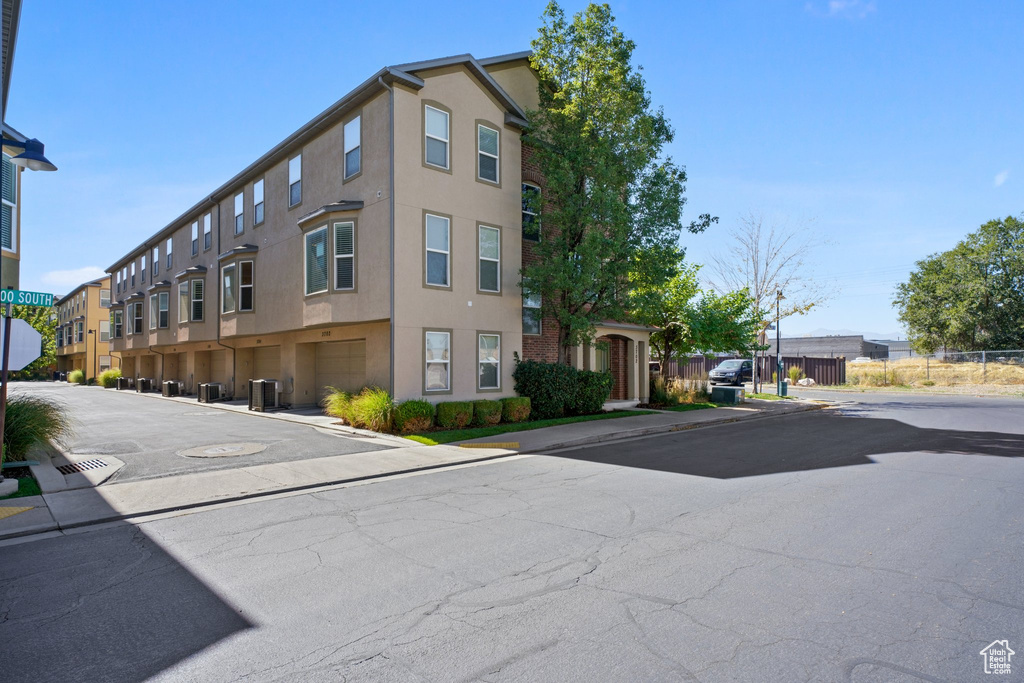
{"points": [[822, 370]]}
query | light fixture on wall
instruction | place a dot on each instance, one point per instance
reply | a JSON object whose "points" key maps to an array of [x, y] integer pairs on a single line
{"points": [[32, 158]]}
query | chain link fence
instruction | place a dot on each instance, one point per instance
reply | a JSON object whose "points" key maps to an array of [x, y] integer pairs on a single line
{"points": [[1004, 367]]}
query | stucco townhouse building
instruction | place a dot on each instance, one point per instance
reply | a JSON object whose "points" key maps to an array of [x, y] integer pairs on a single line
{"points": [[380, 243], [83, 329]]}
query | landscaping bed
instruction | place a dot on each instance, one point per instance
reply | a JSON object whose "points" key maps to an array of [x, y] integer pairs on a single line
{"points": [[440, 436], [27, 485]]}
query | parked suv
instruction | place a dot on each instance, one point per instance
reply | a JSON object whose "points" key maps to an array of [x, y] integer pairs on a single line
{"points": [[732, 372]]}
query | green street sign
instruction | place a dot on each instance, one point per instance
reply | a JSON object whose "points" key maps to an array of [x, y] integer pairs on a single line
{"points": [[20, 298]]}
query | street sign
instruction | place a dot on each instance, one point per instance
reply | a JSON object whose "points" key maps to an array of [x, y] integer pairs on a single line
{"points": [[20, 298], [26, 344]]}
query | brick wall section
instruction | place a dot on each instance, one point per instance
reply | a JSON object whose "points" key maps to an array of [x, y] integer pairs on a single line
{"points": [[542, 347], [617, 360]]}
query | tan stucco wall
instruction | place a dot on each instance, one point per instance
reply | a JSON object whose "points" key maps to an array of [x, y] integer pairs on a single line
{"points": [[88, 351], [519, 81]]}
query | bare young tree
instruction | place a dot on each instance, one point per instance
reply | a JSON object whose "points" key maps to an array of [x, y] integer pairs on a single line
{"points": [[767, 256]]}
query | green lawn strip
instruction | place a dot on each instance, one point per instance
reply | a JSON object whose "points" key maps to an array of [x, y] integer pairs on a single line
{"points": [[435, 438], [27, 486], [683, 407], [770, 397]]}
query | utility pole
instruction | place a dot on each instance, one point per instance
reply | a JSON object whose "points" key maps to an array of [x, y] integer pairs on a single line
{"points": [[778, 341]]}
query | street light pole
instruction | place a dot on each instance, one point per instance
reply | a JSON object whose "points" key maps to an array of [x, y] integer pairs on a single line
{"points": [[778, 342], [95, 351]]}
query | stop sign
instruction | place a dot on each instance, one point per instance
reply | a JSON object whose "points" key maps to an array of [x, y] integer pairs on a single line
{"points": [[26, 344]]}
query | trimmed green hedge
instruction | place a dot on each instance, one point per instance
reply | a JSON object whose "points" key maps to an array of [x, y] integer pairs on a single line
{"points": [[414, 416], [486, 413], [515, 409], [454, 414], [556, 390]]}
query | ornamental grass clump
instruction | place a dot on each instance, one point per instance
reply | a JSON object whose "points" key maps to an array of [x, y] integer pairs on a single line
{"points": [[76, 377], [108, 378], [337, 403], [31, 421]]}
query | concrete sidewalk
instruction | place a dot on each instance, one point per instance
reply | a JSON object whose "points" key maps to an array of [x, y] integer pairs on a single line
{"points": [[69, 509]]}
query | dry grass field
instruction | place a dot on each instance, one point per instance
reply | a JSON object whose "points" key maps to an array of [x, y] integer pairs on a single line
{"points": [[931, 372]]}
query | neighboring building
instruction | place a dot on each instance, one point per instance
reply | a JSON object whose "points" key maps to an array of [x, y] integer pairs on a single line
{"points": [[10, 213], [380, 243], [84, 329], [838, 346]]}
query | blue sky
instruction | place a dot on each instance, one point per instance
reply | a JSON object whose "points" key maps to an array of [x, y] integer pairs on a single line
{"points": [[889, 129]]}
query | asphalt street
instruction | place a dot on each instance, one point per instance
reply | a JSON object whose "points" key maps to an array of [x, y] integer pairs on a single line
{"points": [[878, 542], [150, 434]]}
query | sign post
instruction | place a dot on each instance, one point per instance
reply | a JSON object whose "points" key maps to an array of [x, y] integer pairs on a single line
{"points": [[10, 297]]}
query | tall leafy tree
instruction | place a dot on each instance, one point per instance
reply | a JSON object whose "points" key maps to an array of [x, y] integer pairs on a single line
{"points": [[45, 322], [970, 297], [612, 201]]}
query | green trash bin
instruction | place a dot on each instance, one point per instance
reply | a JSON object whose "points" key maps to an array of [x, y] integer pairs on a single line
{"points": [[783, 388]]}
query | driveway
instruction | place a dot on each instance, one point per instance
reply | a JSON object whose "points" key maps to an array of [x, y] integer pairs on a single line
{"points": [[155, 437]]}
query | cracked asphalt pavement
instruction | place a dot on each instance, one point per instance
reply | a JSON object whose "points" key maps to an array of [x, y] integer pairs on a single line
{"points": [[877, 542]]}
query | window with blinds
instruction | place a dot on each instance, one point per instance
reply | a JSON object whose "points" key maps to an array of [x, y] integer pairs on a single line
{"points": [[9, 197], [316, 261], [245, 292], [197, 300], [344, 256]]}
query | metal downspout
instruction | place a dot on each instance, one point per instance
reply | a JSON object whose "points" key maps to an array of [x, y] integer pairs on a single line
{"points": [[391, 201]]}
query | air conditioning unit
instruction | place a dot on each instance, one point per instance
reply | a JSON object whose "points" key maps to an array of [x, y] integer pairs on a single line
{"points": [[263, 394], [143, 384], [174, 388], [125, 383], [211, 391]]}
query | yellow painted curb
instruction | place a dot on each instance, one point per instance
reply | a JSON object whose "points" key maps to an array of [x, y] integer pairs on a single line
{"points": [[6, 512], [509, 444]]}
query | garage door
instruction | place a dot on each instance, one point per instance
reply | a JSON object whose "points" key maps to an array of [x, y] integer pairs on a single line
{"points": [[341, 365], [267, 362], [219, 367]]}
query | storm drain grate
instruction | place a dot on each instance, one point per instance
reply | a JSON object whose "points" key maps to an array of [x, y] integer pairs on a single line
{"points": [[93, 464]]}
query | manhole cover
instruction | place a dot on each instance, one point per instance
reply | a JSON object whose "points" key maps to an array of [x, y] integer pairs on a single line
{"points": [[93, 464], [224, 450]]}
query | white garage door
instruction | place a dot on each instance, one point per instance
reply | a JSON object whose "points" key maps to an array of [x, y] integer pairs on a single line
{"points": [[341, 365], [267, 362]]}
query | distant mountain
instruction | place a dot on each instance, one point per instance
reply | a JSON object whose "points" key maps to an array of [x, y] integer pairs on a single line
{"points": [[824, 332]]}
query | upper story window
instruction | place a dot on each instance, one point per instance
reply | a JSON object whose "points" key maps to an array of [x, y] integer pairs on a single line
{"points": [[438, 251], [239, 213], [489, 245], [136, 319], [183, 302], [437, 136], [117, 318], [104, 298], [195, 238], [295, 180], [156, 261], [487, 153], [198, 287], [316, 261], [153, 308], [531, 312], [353, 147], [257, 202], [207, 232], [79, 332], [344, 256], [133, 273], [531, 209], [227, 291], [170, 252], [104, 330], [245, 286], [117, 281], [142, 273], [124, 277], [8, 202]]}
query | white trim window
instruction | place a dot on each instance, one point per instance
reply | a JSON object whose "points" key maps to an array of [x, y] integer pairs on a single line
{"points": [[437, 136], [317, 277], [163, 310], [183, 302], [531, 207], [487, 153], [104, 330], [257, 202], [133, 273], [117, 318], [245, 286], [9, 205], [531, 312], [142, 270], [345, 256], [104, 298], [152, 311], [294, 180], [207, 231], [353, 147], [239, 213], [227, 289], [170, 253], [195, 238], [489, 361], [117, 281], [156, 262], [198, 287], [438, 361], [438, 229], [137, 317], [489, 271], [79, 332], [124, 277]]}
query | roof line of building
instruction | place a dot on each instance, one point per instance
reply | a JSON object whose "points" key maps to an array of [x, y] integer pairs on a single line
{"points": [[92, 283], [403, 74]]}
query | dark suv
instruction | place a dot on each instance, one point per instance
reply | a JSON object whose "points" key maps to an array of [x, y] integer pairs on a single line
{"points": [[732, 372]]}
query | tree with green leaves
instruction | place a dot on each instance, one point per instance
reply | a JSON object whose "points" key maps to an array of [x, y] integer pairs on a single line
{"points": [[970, 297], [612, 202], [690, 320], [45, 322]]}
